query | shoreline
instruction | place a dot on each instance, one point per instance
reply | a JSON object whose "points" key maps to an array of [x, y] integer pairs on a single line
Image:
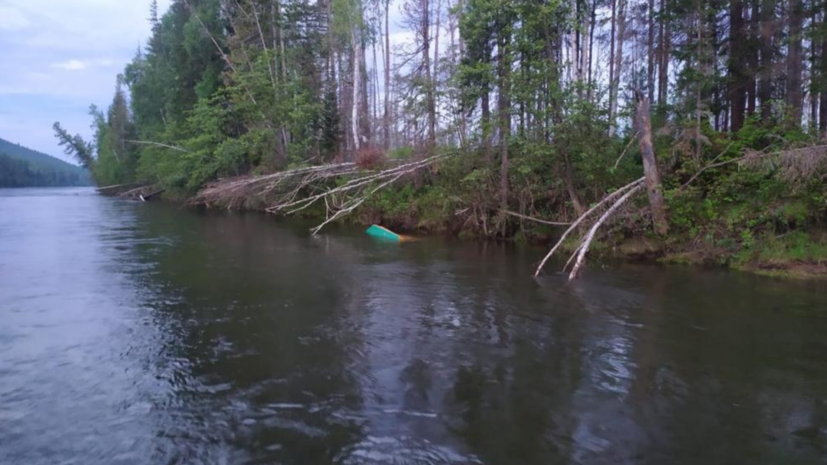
{"points": [[631, 247]]}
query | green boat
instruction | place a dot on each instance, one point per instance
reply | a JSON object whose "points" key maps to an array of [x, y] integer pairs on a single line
{"points": [[382, 233]]}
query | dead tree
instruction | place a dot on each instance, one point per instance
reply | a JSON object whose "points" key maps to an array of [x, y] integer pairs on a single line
{"points": [[650, 165]]}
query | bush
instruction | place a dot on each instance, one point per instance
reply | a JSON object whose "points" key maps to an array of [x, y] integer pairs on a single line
{"points": [[370, 158]]}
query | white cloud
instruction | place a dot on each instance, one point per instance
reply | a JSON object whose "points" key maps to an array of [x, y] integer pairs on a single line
{"points": [[104, 62], [71, 65], [12, 20], [59, 56]]}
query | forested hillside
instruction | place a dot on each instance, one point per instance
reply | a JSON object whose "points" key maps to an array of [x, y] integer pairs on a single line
{"points": [[532, 102], [22, 167]]}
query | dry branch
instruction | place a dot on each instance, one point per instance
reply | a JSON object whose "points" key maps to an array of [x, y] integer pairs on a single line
{"points": [[796, 164], [531, 218], [584, 246], [583, 217], [291, 191], [157, 144]]}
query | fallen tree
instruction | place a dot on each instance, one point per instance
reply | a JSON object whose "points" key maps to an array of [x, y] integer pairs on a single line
{"points": [[611, 203], [614, 201], [291, 191]]}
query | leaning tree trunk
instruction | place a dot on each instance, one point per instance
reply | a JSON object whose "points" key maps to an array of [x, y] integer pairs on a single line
{"points": [[650, 165]]}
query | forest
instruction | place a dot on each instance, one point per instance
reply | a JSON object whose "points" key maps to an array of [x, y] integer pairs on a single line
{"points": [[507, 119], [23, 167]]}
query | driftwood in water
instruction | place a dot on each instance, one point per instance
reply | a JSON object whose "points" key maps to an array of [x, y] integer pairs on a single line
{"points": [[148, 197], [117, 189], [143, 193]]}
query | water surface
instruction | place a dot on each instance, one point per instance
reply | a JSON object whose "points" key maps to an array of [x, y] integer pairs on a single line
{"points": [[135, 333]]}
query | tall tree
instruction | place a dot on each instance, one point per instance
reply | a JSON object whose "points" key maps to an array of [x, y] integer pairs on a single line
{"points": [[617, 60], [795, 59], [766, 74], [737, 65], [387, 114], [650, 68]]}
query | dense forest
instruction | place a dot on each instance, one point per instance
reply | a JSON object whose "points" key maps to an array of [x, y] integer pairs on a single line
{"points": [[22, 167], [532, 109]]}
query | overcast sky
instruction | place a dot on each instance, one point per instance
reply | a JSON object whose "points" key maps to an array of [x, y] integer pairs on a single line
{"points": [[60, 56]]}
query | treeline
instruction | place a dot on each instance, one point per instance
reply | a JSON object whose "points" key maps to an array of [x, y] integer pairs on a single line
{"points": [[23, 167], [536, 95], [19, 173]]}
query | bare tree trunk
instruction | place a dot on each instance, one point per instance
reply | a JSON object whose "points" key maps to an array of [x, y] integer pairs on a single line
{"points": [[699, 84], [568, 174], [814, 88], [387, 116], [275, 13], [452, 24], [794, 60], [374, 95], [752, 59], [277, 17], [650, 166], [612, 41], [618, 65], [578, 60], [485, 121], [429, 83], [504, 113], [650, 69], [591, 50], [436, 63], [766, 74], [365, 129], [737, 64], [357, 79], [822, 116], [665, 55]]}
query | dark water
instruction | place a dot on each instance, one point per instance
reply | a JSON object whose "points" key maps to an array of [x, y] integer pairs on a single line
{"points": [[142, 334]]}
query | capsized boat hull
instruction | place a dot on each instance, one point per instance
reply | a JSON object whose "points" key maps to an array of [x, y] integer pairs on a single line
{"points": [[386, 234]]}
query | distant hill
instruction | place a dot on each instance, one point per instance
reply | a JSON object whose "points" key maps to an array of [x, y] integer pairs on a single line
{"points": [[23, 167]]}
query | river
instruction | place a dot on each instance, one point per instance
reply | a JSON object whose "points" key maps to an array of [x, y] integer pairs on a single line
{"points": [[141, 333]]}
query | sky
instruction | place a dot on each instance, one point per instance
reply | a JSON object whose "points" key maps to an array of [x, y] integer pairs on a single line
{"points": [[60, 56]]}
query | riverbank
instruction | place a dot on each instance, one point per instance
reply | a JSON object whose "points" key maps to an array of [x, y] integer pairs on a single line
{"points": [[797, 253]]}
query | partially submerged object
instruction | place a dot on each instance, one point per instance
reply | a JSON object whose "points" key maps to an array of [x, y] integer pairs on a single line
{"points": [[386, 234], [143, 193]]}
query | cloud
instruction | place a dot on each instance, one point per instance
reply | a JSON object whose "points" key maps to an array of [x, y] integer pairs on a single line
{"points": [[59, 56], [71, 65], [12, 20]]}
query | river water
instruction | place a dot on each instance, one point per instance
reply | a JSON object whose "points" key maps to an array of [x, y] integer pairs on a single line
{"points": [[136, 333]]}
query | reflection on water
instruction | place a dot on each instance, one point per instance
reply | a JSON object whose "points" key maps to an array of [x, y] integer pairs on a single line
{"points": [[141, 333]]}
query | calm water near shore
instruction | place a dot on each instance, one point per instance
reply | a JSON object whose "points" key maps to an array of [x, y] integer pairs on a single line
{"points": [[141, 333]]}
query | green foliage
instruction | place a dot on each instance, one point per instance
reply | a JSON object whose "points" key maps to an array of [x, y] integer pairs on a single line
{"points": [[228, 88], [21, 172], [21, 167], [401, 153], [797, 245]]}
